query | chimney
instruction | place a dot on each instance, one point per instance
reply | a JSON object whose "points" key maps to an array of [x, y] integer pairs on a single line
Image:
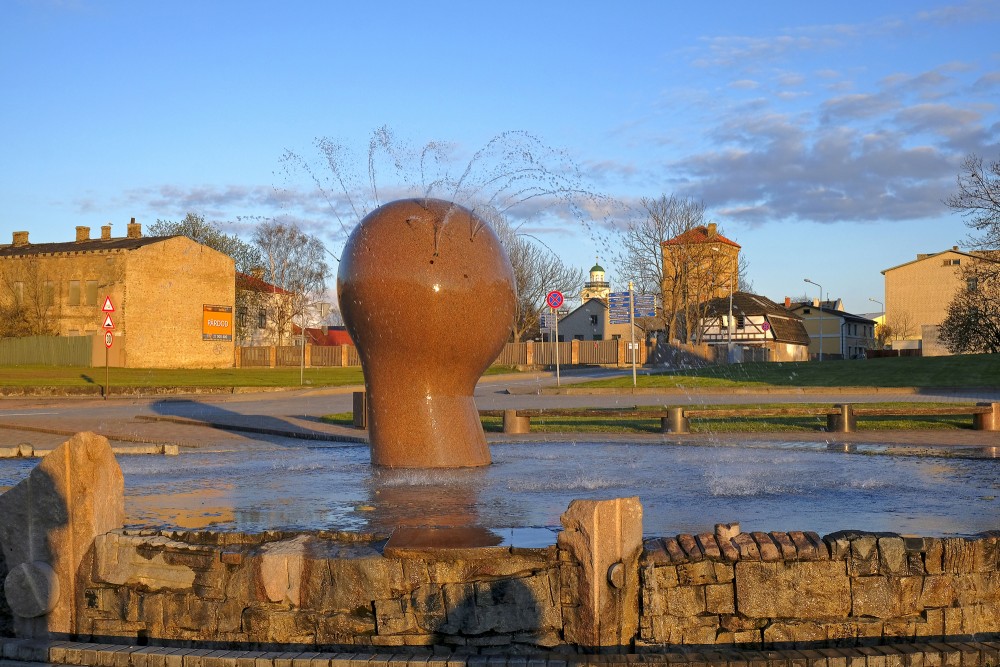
{"points": [[955, 248], [134, 230], [711, 230], [788, 302], [82, 234], [106, 232], [20, 238]]}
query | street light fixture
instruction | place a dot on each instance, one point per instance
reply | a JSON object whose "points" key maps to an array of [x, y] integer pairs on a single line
{"points": [[820, 316], [878, 302]]}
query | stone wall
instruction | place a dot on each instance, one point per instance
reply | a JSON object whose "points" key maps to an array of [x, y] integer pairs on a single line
{"points": [[338, 589], [846, 589], [316, 590]]}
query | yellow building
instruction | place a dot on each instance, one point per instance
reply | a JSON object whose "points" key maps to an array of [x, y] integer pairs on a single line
{"points": [[917, 295], [173, 298]]}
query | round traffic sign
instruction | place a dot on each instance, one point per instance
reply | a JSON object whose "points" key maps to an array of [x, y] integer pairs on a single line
{"points": [[554, 299], [765, 326], [108, 339]]}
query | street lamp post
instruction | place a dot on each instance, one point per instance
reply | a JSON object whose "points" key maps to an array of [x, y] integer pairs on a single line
{"points": [[820, 316]]}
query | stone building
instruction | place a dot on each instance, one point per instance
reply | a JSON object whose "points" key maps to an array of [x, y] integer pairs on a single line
{"points": [[700, 264], [917, 295], [173, 298]]}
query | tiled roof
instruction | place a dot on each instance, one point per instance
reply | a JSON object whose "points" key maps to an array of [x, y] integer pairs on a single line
{"points": [[254, 284], [786, 326], [699, 235]]}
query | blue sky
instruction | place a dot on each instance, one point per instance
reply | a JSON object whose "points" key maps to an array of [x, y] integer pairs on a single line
{"points": [[822, 137]]}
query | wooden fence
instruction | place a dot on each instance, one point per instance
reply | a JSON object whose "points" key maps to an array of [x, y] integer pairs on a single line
{"points": [[600, 352], [47, 351]]}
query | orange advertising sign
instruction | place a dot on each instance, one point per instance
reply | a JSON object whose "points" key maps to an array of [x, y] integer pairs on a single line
{"points": [[217, 323]]}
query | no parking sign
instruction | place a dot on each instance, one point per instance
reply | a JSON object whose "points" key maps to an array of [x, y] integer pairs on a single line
{"points": [[554, 299]]}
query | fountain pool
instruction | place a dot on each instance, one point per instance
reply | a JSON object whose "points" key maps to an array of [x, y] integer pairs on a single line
{"points": [[683, 488]]}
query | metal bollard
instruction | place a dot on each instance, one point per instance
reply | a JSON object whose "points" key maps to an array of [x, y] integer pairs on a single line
{"points": [[845, 422], [989, 421], [514, 424], [360, 407], [675, 422]]}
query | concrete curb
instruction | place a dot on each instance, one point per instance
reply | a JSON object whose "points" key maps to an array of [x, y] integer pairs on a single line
{"points": [[948, 651]]}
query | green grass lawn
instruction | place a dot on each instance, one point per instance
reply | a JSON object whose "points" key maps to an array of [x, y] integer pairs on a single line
{"points": [[46, 376], [968, 370], [732, 425]]}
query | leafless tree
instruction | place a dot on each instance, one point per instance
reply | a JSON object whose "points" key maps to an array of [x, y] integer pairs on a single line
{"points": [[901, 324], [26, 300], [296, 263], [978, 200], [685, 276], [972, 323], [537, 270]]}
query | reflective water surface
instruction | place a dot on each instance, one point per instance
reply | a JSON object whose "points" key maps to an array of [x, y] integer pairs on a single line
{"points": [[764, 486]]}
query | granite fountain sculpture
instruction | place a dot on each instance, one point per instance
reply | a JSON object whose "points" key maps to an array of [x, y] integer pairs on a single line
{"points": [[427, 294]]}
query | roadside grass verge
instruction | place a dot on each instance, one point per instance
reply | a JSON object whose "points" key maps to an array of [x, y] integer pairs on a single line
{"points": [[47, 376], [965, 370], [727, 425]]}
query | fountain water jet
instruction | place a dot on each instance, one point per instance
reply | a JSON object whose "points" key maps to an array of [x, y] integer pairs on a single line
{"points": [[427, 294]]}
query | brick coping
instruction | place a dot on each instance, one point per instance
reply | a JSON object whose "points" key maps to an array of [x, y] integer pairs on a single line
{"points": [[950, 653]]}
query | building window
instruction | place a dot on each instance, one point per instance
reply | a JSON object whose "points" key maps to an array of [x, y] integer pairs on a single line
{"points": [[972, 284], [593, 320], [49, 294], [262, 319], [741, 321], [19, 291], [91, 295], [598, 337], [952, 262], [575, 337], [74, 292]]}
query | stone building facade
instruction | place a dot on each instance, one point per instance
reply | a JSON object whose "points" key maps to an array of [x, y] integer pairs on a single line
{"points": [[173, 298], [918, 292]]}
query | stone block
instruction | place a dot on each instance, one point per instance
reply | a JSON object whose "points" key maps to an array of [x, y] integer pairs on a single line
{"points": [[784, 632], [864, 558], [691, 548], [805, 548], [886, 597], [709, 546], [805, 590], [746, 546], [786, 546], [121, 560], [280, 569], [720, 599], [604, 537], [770, 552], [694, 574], [51, 518], [892, 556], [684, 601], [959, 556], [934, 555]]}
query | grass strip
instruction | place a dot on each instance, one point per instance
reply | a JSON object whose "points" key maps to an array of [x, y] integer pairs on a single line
{"points": [[47, 376], [965, 370], [731, 425]]}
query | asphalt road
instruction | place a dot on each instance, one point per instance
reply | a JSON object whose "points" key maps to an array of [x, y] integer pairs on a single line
{"points": [[45, 422]]}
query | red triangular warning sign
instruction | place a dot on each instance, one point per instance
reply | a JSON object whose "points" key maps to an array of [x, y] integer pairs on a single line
{"points": [[108, 324], [108, 308]]}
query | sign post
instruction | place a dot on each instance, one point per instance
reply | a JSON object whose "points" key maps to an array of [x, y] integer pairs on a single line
{"points": [[555, 299], [109, 340]]}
